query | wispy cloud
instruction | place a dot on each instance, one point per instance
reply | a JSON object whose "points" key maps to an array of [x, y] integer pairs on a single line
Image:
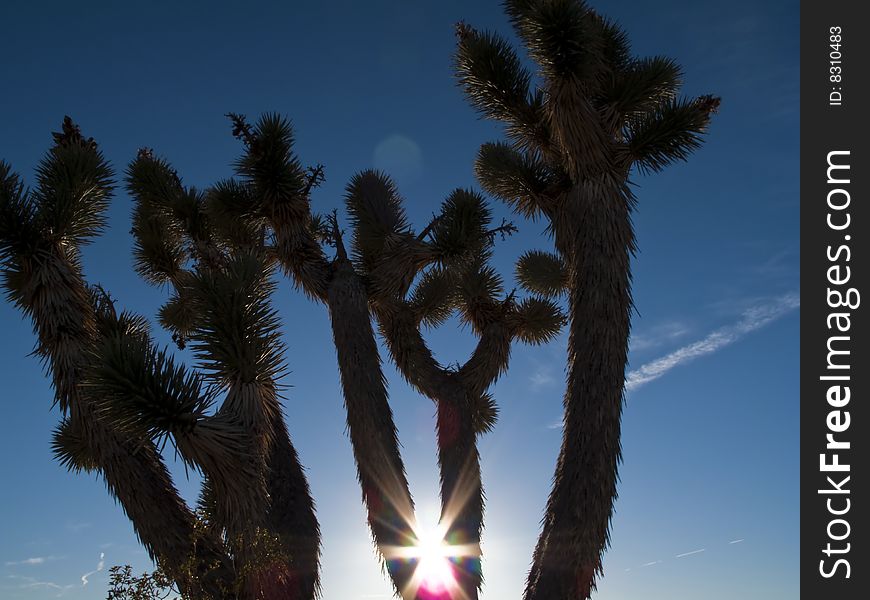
{"points": [[753, 319], [681, 555], [542, 377], [77, 527], [34, 560], [99, 568], [33, 583], [658, 335]]}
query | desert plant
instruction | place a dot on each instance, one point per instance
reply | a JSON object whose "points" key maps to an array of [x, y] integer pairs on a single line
{"points": [[596, 116], [418, 280], [41, 232], [591, 117]]}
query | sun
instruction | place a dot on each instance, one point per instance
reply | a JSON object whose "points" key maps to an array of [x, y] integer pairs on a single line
{"points": [[436, 563], [434, 573]]}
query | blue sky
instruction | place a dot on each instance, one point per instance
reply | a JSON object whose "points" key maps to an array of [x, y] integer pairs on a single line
{"points": [[711, 422]]}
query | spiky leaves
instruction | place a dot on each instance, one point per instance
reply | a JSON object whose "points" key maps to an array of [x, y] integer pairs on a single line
{"points": [[491, 74], [70, 448], [378, 219], [170, 224], [19, 234], [434, 297], [280, 190], [159, 251], [478, 291], [279, 181], [521, 179], [560, 35], [74, 183], [159, 254], [232, 212], [143, 391], [645, 84], [670, 132], [461, 231], [237, 335], [497, 84], [537, 320], [542, 273]]}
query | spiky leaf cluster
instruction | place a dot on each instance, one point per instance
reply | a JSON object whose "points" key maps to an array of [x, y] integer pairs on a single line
{"points": [[542, 273], [143, 391], [596, 103], [74, 183], [378, 218], [279, 182], [237, 331]]}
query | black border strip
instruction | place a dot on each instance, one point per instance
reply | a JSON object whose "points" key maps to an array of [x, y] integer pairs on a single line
{"points": [[828, 255]]}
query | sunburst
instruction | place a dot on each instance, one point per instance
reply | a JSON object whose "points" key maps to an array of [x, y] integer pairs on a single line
{"points": [[437, 564]]}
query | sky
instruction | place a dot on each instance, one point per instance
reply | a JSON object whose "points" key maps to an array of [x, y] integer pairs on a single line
{"points": [[708, 496]]}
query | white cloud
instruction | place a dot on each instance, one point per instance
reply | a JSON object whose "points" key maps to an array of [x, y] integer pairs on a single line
{"points": [[658, 335], [99, 568], [690, 553], [32, 583], [35, 560], [753, 319], [542, 377]]}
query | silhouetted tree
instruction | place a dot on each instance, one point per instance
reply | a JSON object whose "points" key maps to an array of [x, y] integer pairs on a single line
{"points": [[595, 116], [592, 115]]}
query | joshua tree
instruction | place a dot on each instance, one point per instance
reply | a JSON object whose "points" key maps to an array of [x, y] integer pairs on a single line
{"points": [[41, 232], [595, 115], [451, 253], [255, 534]]}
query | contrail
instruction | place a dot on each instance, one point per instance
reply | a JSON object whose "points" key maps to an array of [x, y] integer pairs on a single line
{"points": [[99, 568], [754, 318], [690, 553]]}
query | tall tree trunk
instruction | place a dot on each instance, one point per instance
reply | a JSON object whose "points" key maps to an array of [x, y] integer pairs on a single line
{"points": [[134, 472], [596, 238], [462, 498], [370, 422], [461, 488], [291, 513]]}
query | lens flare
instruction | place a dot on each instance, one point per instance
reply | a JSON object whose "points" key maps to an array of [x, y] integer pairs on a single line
{"points": [[434, 573], [437, 563]]}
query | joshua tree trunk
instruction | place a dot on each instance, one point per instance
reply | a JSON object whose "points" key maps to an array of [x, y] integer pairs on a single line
{"points": [[63, 317], [281, 189], [370, 421], [461, 486], [597, 240], [457, 397], [291, 512]]}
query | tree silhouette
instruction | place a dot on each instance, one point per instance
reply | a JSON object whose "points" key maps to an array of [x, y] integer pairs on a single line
{"points": [[590, 117], [594, 115]]}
